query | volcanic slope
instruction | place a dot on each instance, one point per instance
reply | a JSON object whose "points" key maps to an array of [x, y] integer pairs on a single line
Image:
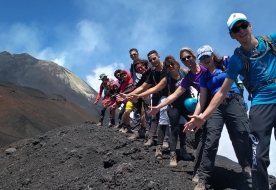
{"points": [[27, 112], [89, 157]]}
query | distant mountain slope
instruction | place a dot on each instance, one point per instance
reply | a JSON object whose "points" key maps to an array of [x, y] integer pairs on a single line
{"points": [[26, 112], [47, 76]]}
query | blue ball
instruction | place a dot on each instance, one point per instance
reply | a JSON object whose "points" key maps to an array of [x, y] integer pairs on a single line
{"points": [[190, 104]]}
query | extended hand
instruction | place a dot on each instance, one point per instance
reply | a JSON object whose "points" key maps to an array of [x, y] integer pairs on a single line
{"points": [[95, 102], [121, 97], [195, 123], [153, 111], [133, 97]]}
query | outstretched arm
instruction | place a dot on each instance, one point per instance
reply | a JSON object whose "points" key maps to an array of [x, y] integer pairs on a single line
{"points": [[162, 84], [198, 121], [179, 91]]}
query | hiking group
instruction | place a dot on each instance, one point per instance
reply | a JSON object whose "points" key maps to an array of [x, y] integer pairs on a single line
{"points": [[168, 100]]}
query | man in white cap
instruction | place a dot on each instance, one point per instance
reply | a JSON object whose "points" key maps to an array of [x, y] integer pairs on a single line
{"points": [[255, 60]]}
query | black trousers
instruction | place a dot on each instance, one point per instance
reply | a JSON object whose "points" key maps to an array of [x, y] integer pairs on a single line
{"points": [[103, 114], [262, 120], [177, 128], [232, 113], [155, 119]]}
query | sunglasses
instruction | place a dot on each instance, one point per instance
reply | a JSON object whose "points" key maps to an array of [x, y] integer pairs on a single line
{"points": [[236, 29], [186, 58], [132, 55], [153, 59], [204, 57], [169, 65]]}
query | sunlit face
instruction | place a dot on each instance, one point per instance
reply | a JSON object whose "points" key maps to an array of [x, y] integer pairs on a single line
{"points": [[104, 79], [240, 32], [154, 59], [171, 67], [207, 61], [133, 54], [124, 76], [187, 59], [140, 68], [108, 86], [118, 76]]}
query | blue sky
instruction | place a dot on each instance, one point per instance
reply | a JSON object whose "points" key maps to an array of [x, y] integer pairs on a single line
{"points": [[91, 37]]}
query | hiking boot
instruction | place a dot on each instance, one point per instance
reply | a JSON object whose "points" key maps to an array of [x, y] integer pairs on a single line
{"points": [[122, 129], [173, 159], [142, 132], [184, 154], [246, 171], [200, 186], [165, 145], [100, 124], [134, 136], [149, 142], [158, 152], [119, 126], [195, 178], [127, 130]]}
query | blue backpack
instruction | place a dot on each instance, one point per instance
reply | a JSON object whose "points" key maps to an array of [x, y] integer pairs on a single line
{"points": [[247, 64]]}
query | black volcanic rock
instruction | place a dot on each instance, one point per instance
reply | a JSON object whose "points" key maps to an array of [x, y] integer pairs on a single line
{"points": [[49, 77], [90, 157]]}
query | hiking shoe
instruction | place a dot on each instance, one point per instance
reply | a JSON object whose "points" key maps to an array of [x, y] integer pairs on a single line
{"points": [[246, 171], [158, 152], [122, 129], [173, 159], [184, 154], [195, 178], [134, 136], [149, 142], [100, 124], [127, 130], [119, 126], [165, 145], [200, 186], [142, 132]]}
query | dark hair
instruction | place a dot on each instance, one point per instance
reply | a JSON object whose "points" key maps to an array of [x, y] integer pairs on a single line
{"points": [[140, 61], [123, 72], [218, 61], [116, 72], [152, 52], [133, 49], [171, 59]]}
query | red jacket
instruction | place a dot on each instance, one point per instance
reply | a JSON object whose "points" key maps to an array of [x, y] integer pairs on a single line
{"points": [[127, 84]]}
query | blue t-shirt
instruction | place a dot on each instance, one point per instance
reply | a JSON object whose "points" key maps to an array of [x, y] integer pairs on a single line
{"points": [[215, 80], [262, 69]]}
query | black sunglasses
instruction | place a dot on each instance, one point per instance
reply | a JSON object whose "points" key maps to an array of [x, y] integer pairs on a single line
{"points": [[236, 29], [131, 55], [186, 58], [169, 65], [153, 59]]}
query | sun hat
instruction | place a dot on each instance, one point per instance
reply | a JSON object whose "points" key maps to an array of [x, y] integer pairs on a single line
{"points": [[235, 17], [102, 76], [204, 50]]}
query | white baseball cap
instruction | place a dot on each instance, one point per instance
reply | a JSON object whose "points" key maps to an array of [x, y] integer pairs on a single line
{"points": [[204, 50], [235, 17]]}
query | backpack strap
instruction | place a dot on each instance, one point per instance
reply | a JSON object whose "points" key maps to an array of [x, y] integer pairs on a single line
{"points": [[247, 65], [271, 43]]}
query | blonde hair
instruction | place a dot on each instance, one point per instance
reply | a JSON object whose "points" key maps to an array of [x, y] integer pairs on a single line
{"points": [[188, 50]]}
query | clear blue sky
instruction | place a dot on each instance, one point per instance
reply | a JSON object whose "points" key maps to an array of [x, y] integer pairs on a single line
{"points": [[90, 37]]}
